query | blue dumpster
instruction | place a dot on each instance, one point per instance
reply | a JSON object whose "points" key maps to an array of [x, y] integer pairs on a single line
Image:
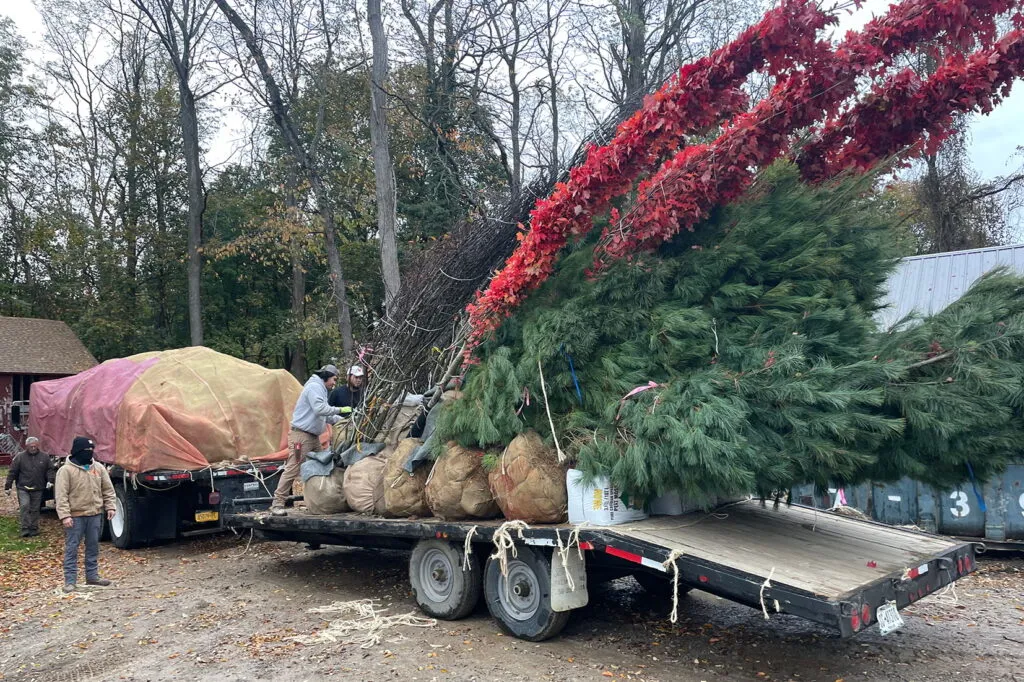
{"points": [[995, 512]]}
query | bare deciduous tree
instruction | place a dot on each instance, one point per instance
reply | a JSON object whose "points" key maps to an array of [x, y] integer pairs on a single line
{"points": [[305, 160], [181, 26], [383, 167]]}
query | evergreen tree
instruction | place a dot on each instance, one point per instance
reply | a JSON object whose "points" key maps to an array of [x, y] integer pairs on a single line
{"points": [[762, 365]]}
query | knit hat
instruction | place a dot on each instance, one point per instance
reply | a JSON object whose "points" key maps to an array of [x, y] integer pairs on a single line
{"points": [[355, 371], [81, 444]]}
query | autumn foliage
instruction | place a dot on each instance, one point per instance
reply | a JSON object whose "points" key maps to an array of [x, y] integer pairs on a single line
{"points": [[816, 90]]}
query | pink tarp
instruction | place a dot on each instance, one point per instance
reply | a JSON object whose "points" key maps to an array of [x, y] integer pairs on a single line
{"points": [[85, 404], [189, 408]]}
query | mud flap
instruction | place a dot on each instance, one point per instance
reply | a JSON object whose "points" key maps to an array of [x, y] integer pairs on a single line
{"points": [[568, 580]]}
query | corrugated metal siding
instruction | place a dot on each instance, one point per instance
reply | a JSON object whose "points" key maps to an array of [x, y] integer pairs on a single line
{"points": [[927, 284]]}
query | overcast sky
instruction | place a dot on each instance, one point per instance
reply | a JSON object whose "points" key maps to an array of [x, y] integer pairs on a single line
{"points": [[994, 138]]}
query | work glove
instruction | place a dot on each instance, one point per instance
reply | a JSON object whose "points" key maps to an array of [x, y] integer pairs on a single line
{"points": [[344, 411]]}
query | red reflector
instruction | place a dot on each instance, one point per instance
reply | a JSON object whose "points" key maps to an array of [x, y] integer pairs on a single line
{"points": [[622, 554], [855, 622], [960, 565], [586, 545], [704, 579], [914, 573], [215, 497], [865, 614], [180, 477]]}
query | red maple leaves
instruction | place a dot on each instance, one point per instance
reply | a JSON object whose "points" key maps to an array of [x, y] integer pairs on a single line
{"points": [[815, 81]]}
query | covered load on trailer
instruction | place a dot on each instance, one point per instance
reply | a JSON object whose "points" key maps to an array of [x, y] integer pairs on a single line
{"points": [[179, 409], [183, 432]]}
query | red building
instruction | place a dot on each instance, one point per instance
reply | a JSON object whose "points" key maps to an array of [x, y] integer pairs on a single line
{"points": [[32, 350]]}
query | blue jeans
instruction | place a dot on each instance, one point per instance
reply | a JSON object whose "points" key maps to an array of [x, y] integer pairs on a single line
{"points": [[87, 527]]}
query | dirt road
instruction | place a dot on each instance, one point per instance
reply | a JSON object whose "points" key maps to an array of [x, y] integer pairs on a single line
{"points": [[221, 608]]}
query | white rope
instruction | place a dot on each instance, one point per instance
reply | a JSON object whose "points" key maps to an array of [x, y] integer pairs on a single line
{"points": [[504, 543], [671, 562], [765, 585], [947, 596], [467, 548], [563, 550], [367, 628], [547, 408], [563, 557]]}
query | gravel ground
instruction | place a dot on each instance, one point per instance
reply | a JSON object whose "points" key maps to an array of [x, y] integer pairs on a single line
{"points": [[225, 608]]}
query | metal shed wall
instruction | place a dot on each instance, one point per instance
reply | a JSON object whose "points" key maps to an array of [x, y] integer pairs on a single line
{"points": [[926, 285]]}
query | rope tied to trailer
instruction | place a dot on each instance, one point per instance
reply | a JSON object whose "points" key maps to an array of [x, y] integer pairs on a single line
{"points": [[670, 562], [767, 585], [467, 548], [504, 543], [563, 550]]}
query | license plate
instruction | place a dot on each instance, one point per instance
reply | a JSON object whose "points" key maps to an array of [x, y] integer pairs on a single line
{"points": [[889, 619], [249, 486], [203, 516]]}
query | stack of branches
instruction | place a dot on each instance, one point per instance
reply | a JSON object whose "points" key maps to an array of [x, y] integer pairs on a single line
{"points": [[417, 345]]}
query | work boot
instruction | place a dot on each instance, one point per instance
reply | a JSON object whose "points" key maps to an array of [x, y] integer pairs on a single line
{"points": [[69, 587], [278, 511], [99, 582]]}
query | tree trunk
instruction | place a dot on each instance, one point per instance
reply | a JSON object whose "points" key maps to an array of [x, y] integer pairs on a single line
{"points": [[337, 281], [196, 205], [634, 34], [549, 58], [286, 126], [297, 361], [379, 139]]}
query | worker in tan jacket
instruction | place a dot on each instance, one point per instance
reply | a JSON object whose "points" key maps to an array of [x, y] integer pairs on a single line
{"points": [[83, 492]]}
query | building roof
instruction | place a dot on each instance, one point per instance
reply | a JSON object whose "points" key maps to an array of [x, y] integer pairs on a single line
{"points": [[927, 284], [32, 346]]}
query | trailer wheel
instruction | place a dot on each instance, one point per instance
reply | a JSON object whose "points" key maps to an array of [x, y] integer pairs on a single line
{"points": [[121, 535], [658, 587], [443, 588], [521, 600]]}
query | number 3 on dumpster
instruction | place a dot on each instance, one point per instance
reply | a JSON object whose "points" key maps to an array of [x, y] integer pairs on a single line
{"points": [[961, 509]]}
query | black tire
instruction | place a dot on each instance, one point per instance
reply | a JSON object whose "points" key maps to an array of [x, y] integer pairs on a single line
{"points": [[121, 526], [659, 587], [443, 588], [521, 601]]}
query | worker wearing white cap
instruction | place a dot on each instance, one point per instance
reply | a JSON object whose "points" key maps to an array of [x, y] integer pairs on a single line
{"points": [[350, 394]]}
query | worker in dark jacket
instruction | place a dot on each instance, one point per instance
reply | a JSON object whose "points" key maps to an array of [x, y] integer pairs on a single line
{"points": [[349, 394], [33, 472]]}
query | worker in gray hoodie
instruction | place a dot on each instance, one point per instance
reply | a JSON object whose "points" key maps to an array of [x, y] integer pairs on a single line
{"points": [[312, 413]]}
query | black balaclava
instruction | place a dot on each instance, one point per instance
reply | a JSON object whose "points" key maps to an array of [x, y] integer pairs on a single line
{"points": [[81, 451]]}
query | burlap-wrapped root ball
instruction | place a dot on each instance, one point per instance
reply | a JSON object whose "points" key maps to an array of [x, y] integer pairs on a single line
{"points": [[457, 487], [326, 494], [364, 484], [404, 493], [528, 483]]}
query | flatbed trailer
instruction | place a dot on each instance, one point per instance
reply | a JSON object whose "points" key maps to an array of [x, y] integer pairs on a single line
{"points": [[844, 573]]}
